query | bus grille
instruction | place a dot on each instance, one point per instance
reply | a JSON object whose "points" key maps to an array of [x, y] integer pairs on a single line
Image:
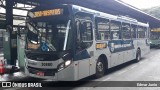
{"points": [[47, 72]]}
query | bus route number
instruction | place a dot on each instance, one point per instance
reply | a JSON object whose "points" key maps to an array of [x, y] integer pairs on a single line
{"points": [[47, 64]]}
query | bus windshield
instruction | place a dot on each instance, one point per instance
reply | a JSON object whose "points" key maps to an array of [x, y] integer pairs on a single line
{"points": [[155, 35], [48, 36]]}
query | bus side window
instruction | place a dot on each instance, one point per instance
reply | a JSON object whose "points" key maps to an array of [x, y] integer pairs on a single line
{"points": [[84, 34], [146, 32], [126, 31], [133, 31], [85, 31], [115, 29], [142, 32], [102, 29]]}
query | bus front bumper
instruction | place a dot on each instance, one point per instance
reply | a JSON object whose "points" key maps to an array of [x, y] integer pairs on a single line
{"points": [[155, 45], [53, 78], [67, 74]]}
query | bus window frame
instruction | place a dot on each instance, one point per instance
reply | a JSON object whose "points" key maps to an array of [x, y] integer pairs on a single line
{"points": [[120, 25], [135, 32], [122, 31], [142, 27], [98, 19], [149, 31], [146, 32], [77, 19]]}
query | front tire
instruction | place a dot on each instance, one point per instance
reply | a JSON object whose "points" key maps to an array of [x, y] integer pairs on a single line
{"points": [[100, 68], [138, 55]]}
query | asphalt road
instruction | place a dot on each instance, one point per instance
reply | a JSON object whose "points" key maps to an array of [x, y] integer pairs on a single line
{"points": [[148, 69]]}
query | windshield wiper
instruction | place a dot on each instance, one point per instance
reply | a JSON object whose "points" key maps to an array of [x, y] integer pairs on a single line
{"points": [[66, 37]]}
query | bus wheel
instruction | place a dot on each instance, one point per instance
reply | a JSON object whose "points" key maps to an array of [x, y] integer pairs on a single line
{"points": [[100, 68], [138, 55]]}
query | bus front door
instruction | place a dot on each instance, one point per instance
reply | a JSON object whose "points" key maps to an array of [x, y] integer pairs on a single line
{"points": [[84, 47]]}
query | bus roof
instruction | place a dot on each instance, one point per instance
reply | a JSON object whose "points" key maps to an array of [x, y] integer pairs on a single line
{"points": [[109, 16], [99, 14]]}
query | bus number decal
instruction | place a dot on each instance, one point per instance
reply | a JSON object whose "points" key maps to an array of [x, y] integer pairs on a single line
{"points": [[46, 64]]}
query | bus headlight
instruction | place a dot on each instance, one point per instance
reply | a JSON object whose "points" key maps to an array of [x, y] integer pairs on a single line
{"points": [[64, 65], [68, 62]]}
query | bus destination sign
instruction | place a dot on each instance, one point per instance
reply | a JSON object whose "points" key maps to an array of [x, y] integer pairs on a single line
{"points": [[155, 30], [48, 13]]}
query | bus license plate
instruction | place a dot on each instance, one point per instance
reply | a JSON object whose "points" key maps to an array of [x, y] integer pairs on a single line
{"points": [[40, 73]]}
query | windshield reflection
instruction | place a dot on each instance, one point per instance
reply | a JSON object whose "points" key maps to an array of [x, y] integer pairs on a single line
{"points": [[48, 36]]}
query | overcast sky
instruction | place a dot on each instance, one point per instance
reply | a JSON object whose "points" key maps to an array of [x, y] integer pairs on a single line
{"points": [[143, 4]]}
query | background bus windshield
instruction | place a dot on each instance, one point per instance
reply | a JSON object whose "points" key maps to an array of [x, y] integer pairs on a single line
{"points": [[155, 35]]}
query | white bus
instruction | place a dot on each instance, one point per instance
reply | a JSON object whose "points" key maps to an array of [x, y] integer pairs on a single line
{"points": [[70, 42]]}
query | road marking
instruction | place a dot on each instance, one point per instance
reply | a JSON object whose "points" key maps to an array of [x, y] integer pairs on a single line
{"points": [[106, 79], [141, 62], [153, 77], [121, 72], [133, 66]]}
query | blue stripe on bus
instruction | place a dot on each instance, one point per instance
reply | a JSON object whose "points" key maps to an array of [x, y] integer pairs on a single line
{"points": [[120, 45], [124, 45]]}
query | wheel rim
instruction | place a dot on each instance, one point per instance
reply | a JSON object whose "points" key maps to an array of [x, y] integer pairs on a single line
{"points": [[138, 57], [100, 66]]}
